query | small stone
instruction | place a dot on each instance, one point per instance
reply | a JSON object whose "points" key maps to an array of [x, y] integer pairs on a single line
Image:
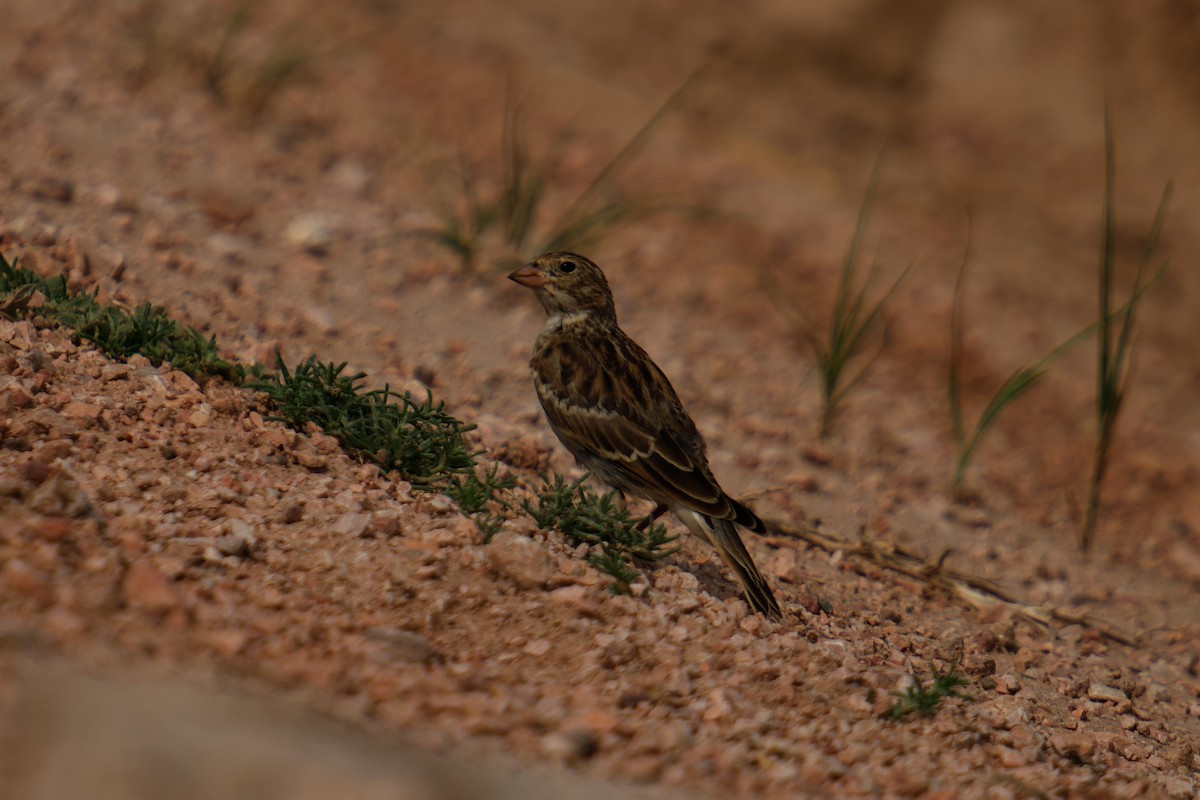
{"points": [[569, 595], [808, 601], [570, 746], [429, 572], [82, 414], [440, 502], [36, 472], [226, 246], [147, 588], [520, 559], [227, 643], [352, 176], [1102, 692], [310, 232], [114, 372], [970, 516], [352, 523], [1078, 747], [53, 422], [238, 540], [387, 525], [407, 646], [60, 496], [1178, 787], [321, 318], [225, 209], [172, 568], [719, 706], [271, 598], [817, 455], [108, 196], [16, 396], [199, 418], [87, 256], [538, 647], [40, 362], [348, 500], [311, 461], [1009, 758], [294, 512], [109, 261], [1008, 684]]}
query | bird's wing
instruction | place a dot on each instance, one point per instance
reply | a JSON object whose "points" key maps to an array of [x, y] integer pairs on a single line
{"points": [[605, 397]]}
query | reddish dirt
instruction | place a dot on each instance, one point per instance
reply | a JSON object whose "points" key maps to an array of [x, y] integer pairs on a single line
{"points": [[150, 524]]}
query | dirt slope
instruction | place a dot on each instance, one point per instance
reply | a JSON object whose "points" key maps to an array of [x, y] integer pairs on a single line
{"points": [[148, 524]]}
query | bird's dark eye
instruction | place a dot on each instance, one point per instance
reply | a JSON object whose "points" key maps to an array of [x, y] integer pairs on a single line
{"points": [[567, 266]]}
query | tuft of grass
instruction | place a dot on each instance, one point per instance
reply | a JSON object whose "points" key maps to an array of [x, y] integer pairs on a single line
{"points": [[416, 438], [524, 182], [478, 494], [854, 319], [147, 329], [584, 516], [1114, 355], [1020, 381], [514, 212], [461, 234], [222, 63], [230, 77], [925, 700], [598, 209]]}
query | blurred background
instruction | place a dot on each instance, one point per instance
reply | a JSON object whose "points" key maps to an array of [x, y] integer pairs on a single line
{"points": [[332, 178]]}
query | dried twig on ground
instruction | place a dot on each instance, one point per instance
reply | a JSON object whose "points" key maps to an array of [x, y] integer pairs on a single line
{"points": [[973, 590]]}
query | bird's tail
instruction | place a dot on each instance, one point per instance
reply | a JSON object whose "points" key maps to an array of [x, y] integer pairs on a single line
{"points": [[721, 534]]}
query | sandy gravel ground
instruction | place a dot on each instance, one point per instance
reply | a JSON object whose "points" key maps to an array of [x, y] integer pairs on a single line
{"points": [[155, 527]]}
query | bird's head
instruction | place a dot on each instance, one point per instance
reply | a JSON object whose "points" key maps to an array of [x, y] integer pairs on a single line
{"points": [[567, 283]]}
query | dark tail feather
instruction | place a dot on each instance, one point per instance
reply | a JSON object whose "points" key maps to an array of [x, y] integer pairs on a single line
{"points": [[747, 518], [733, 552]]}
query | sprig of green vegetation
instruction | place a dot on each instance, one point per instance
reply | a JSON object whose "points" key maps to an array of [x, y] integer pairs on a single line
{"points": [[1019, 382], [517, 207], [584, 516], [596, 211], [461, 234], [853, 320], [147, 329], [257, 82], [1026, 376], [1114, 362], [479, 495], [925, 700], [220, 64], [418, 439], [613, 563], [524, 181]]}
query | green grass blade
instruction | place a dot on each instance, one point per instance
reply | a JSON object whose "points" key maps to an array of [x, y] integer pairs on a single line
{"points": [[1112, 358]]}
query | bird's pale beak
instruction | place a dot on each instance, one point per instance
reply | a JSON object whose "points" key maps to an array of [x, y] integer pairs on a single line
{"points": [[528, 275]]}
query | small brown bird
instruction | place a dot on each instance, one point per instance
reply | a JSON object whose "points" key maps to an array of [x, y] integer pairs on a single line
{"points": [[615, 410]]}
